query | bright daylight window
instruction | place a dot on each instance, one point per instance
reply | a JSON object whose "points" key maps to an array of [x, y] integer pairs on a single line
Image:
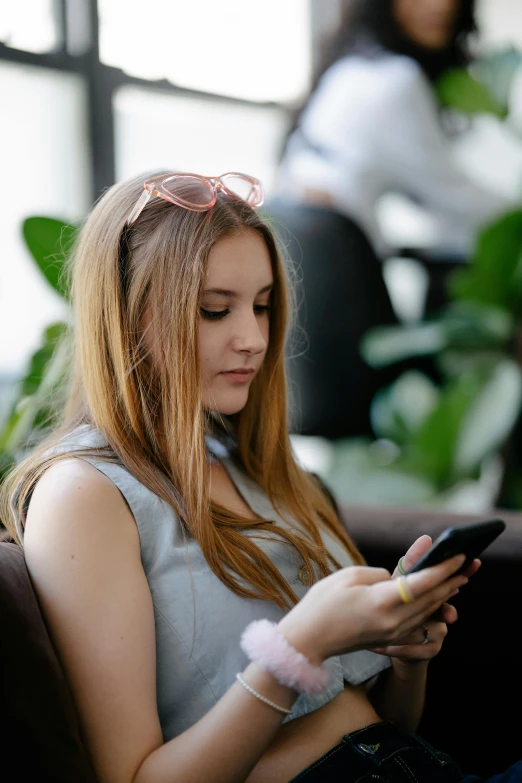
{"points": [[243, 64], [194, 134], [47, 152], [30, 25], [257, 51]]}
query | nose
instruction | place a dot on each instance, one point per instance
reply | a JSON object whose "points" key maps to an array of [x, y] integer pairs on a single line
{"points": [[250, 337]]}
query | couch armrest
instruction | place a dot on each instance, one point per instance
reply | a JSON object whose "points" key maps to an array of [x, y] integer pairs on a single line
{"points": [[38, 721], [397, 527]]}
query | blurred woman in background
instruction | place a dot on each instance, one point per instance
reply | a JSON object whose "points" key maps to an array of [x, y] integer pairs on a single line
{"points": [[371, 125]]}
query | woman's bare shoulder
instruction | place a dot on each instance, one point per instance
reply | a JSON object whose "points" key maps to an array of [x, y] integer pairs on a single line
{"points": [[83, 555], [73, 498], [65, 472]]}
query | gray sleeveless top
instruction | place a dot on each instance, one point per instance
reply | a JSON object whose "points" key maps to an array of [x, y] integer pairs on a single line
{"points": [[198, 620]]}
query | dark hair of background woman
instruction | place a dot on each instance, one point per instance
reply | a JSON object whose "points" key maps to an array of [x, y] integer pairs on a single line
{"points": [[368, 28]]}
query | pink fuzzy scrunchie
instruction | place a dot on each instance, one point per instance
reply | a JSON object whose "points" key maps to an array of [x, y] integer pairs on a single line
{"points": [[264, 644]]}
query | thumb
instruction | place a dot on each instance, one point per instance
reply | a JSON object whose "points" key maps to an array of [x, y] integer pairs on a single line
{"points": [[419, 546]]}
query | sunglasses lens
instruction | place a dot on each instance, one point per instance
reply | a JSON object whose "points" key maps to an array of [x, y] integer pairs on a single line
{"points": [[243, 188], [190, 191]]}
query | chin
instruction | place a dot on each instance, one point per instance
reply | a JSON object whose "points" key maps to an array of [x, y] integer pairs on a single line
{"points": [[227, 407], [436, 43]]}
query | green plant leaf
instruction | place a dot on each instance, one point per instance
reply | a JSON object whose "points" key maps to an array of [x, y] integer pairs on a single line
{"points": [[490, 418], [389, 344], [453, 362], [432, 448], [6, 463], [399, 410], [49, 242], [357, 475], [494, 274], [471, 325], [458, 89], [36, 403], [41, 358], [496, 72], [474, 496]]}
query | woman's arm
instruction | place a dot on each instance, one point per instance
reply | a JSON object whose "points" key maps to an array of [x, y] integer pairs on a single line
{"points": [[83, 554], [416, 157], [399, 694]]}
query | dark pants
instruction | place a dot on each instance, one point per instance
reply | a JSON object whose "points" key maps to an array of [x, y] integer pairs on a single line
{"points": [[341, 296], [382, 752]]}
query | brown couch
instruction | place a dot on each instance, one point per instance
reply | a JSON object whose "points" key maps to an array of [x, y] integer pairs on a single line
{"points": [[473, 684], [38, 723]]}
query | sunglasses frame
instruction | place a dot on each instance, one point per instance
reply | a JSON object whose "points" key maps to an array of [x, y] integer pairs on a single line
{"points": [[156, 186]]}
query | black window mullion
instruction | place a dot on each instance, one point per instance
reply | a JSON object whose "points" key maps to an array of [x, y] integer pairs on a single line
{"points": [[100, 89], [101, 82], [60, 61], [61, 15]]}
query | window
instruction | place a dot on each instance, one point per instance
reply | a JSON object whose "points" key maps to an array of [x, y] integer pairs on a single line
{"points": [[32, 25], [157, 130], [47, 173], [255, 51], [88, 105]]}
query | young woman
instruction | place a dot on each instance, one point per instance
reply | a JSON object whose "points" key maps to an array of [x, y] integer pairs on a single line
{"points": [[214, 619], [372, 125]]}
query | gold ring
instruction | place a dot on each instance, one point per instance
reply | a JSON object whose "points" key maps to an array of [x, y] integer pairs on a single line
{"points": [[405, 593]]}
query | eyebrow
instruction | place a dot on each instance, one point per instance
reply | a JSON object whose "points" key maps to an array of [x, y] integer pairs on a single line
{"points": [[232, 294]]}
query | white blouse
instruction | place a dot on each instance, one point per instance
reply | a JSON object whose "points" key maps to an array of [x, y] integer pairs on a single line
{"points": [[372, 128]]}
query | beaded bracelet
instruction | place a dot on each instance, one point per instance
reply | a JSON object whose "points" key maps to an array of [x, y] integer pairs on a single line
{"points": [[270, 703], [264, 644]]}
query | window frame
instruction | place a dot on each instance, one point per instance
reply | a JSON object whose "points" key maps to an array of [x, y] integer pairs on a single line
{"points": [[102, 81]]}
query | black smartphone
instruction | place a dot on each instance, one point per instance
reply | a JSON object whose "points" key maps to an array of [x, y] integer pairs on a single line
{"points": [[470, 540]]}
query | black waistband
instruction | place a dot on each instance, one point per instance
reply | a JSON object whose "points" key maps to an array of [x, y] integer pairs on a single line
{"points": [[382, 752]]}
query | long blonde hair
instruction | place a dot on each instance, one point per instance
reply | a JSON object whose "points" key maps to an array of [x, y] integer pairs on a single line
{"points": [[159, 265]]}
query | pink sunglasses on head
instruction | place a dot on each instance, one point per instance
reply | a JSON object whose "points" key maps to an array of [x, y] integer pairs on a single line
{"points": [[198, 193]]}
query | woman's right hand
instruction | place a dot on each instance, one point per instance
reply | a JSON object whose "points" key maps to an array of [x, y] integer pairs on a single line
{"points": [[360, 606]]}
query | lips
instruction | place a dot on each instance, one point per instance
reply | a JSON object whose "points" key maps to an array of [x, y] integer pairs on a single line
{"points": [[244, 371], [241, 375]]}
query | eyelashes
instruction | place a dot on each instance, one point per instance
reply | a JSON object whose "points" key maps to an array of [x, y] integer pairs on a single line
{"points": [[213, 315], [217, 315]]}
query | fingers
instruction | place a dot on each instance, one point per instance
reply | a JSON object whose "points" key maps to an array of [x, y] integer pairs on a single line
{"points": [[364, 575], [423, 593], [421, 644], [448, 614], [422, 612], [429, 578], [419, 546], [409, 652], [473, 568], [430, 603]]}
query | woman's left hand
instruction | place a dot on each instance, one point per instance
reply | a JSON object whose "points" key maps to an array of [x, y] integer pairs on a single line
{"points": [[424, 643]]}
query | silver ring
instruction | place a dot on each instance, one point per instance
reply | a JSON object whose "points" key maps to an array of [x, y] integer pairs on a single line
{"points": [[400, 567], [426, 634]]}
